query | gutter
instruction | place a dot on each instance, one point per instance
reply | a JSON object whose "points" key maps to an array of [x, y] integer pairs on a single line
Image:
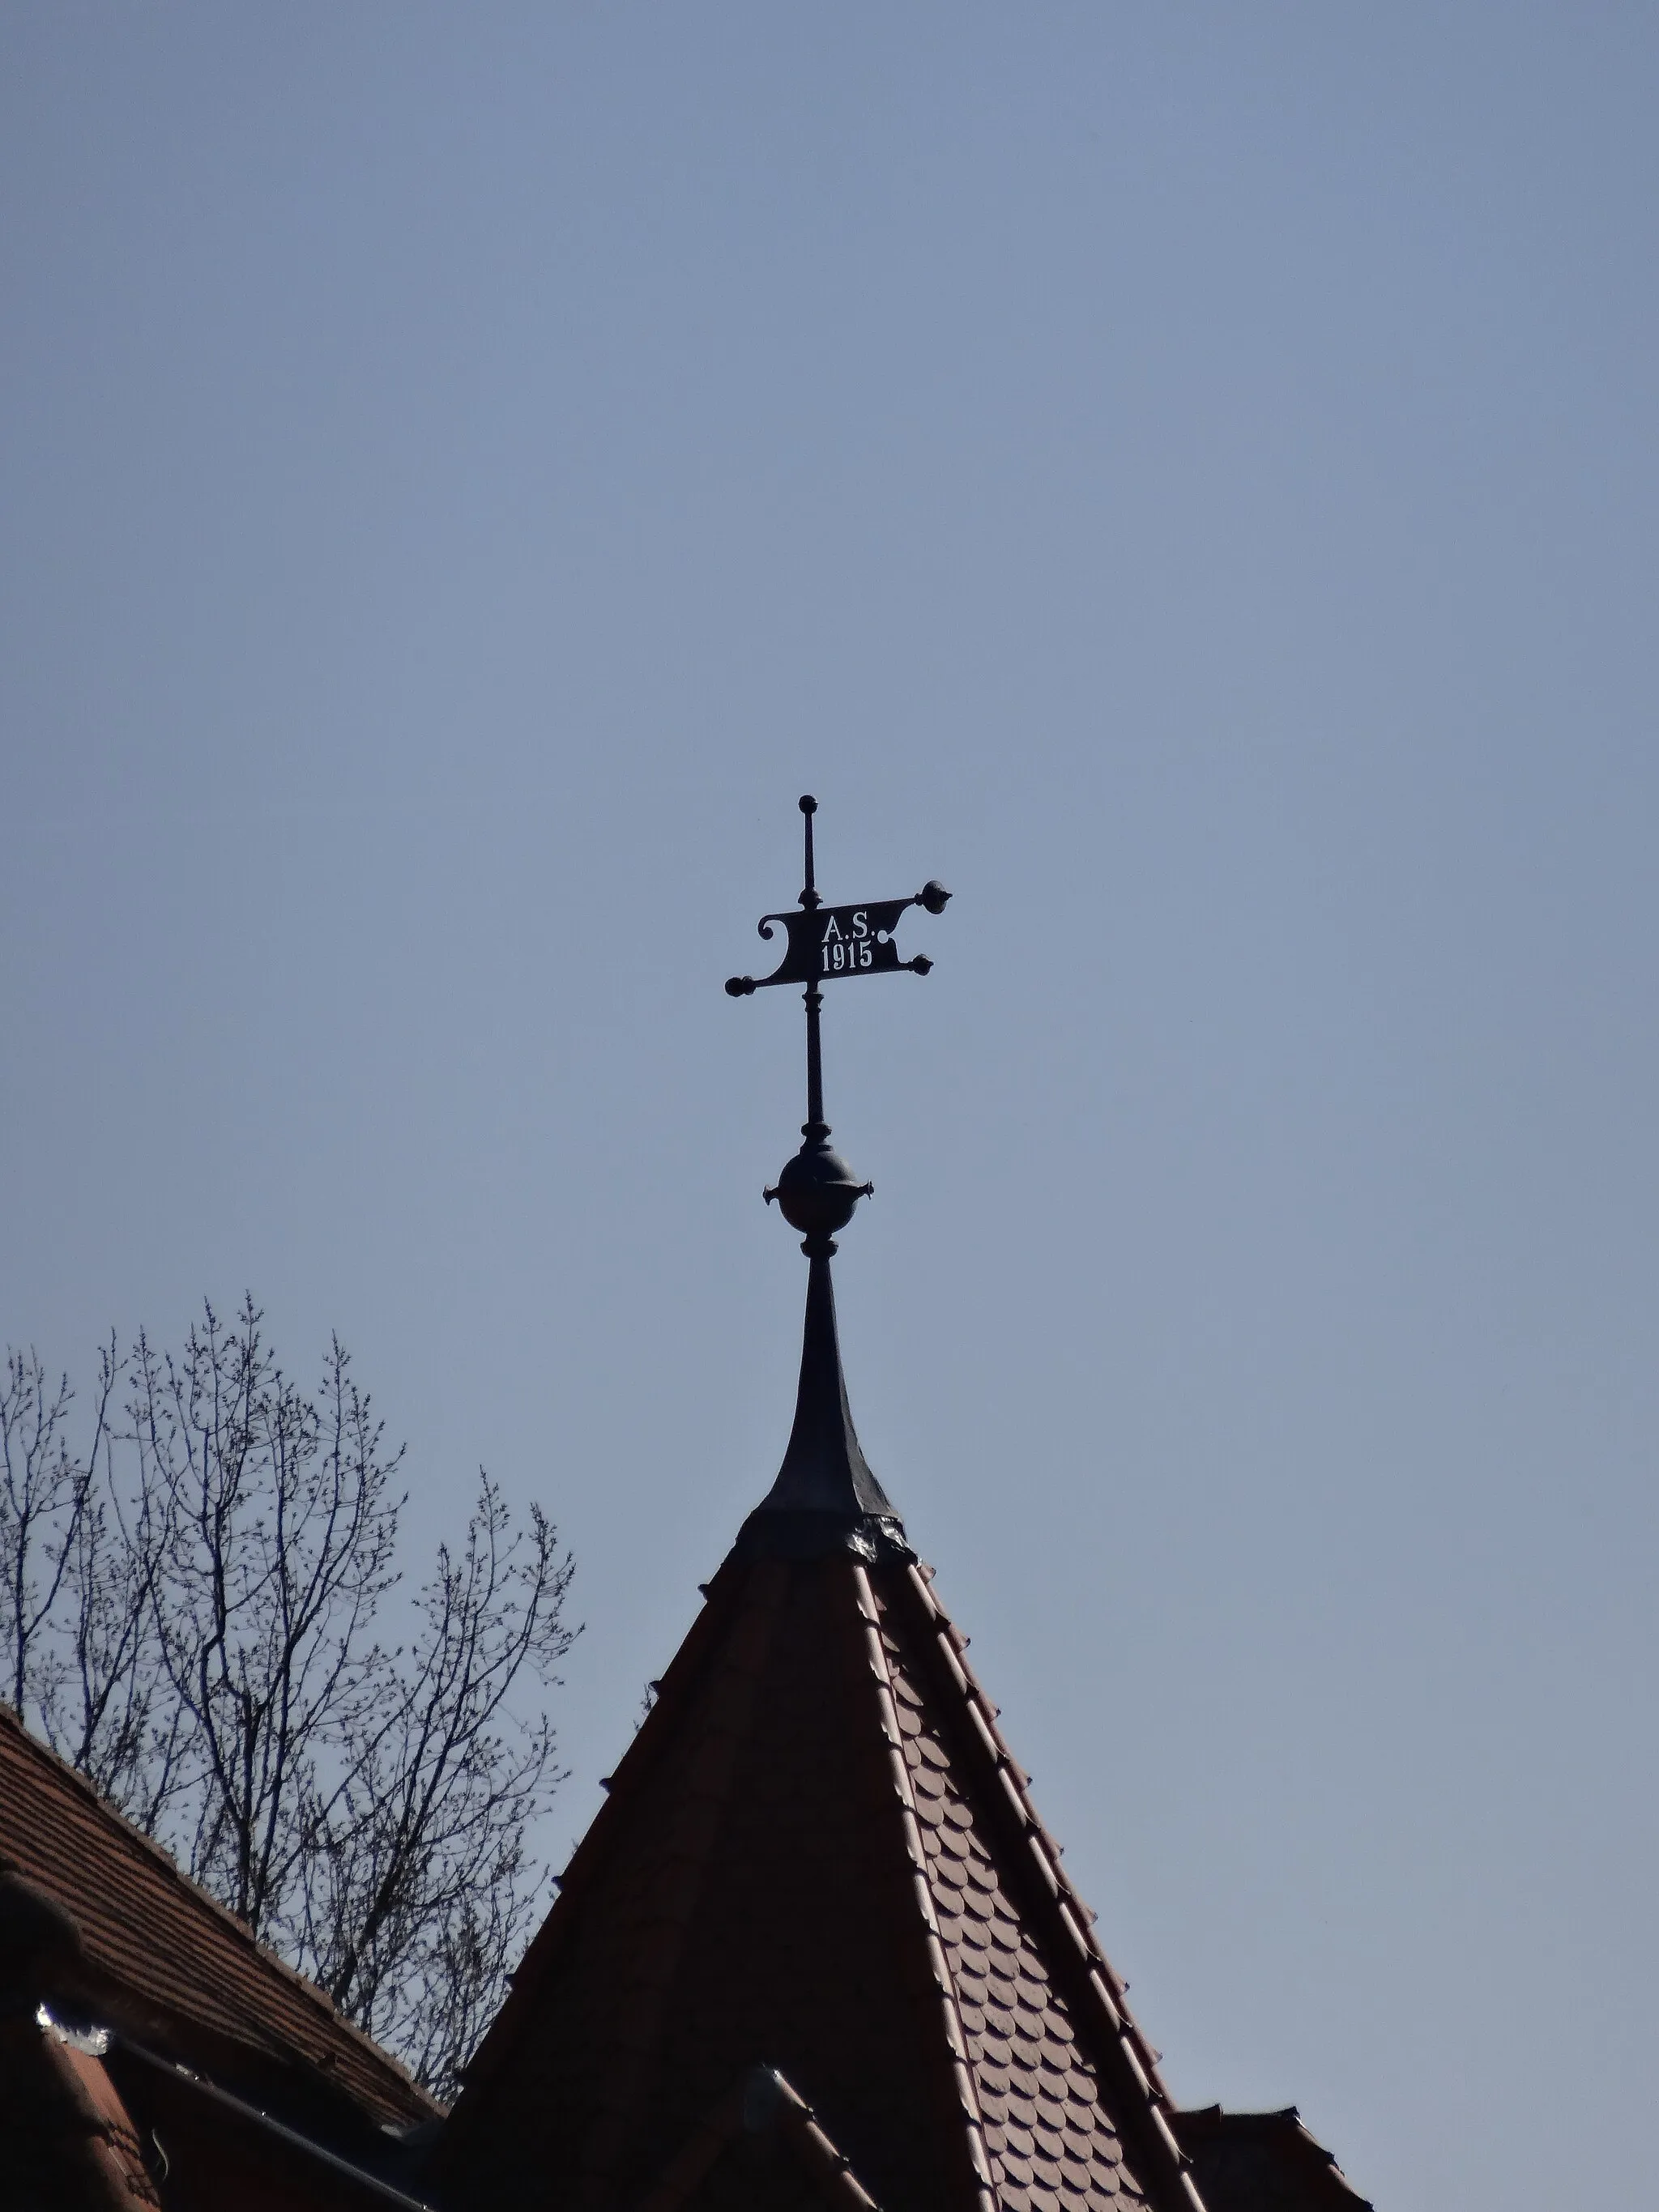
{"points": [[383, 2191]]}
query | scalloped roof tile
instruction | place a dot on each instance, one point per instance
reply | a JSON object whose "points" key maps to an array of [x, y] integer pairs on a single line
{"points": [[818, 1855]]}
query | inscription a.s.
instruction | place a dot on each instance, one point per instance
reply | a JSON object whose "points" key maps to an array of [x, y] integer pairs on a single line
{"points": [[824, 942], [854, 946]]}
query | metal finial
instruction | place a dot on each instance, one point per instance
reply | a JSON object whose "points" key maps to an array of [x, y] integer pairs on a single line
{"points": [[825, 1498], [809, 898]]}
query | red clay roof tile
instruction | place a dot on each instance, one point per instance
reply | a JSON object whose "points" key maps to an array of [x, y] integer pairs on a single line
{"points": [[866, 1899], [185, 1964]]}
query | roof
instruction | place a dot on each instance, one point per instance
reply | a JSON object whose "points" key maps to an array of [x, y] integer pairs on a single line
{"points": [[816, 1953], [93, 2121], [1263, 2162], [68, 2141], [168, 1962], [818, 1855], [819, 1882], [762, 2139]]}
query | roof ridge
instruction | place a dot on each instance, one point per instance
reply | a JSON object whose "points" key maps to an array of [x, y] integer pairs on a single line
{"points": [[869, 1658], [149, 1849], [1081, 1916], [1124, 2038], [745, 1656], [944, 1980], [762, 2099], [698, 1650]]}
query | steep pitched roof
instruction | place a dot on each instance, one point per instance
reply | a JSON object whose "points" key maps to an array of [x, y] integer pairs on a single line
{"points": [[166, 1960], [819, 1856]]}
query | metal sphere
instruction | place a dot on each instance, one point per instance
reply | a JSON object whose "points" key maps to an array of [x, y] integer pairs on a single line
{"points": [[816, 1192]]}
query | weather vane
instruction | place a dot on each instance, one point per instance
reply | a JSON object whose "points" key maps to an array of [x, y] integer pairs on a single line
{"points": [[816, 1192]]}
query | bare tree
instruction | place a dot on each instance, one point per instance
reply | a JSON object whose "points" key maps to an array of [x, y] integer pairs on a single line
{"points": [[43, 1504], [192, 1614], [419, 1879], [105, 1705], [279, 1522]]}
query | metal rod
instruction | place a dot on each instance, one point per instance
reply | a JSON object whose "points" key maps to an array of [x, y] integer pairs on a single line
{"points": [[815, 1126], [809, 898]]}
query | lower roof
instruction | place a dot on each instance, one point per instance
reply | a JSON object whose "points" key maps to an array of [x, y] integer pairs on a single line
{"points": [[164, 1958]]}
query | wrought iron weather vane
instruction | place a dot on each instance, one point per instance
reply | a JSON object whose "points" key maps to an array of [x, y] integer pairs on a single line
{"points": [[816, 1192]]}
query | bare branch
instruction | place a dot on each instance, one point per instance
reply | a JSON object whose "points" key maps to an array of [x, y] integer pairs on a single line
{"points": [[191, 1612]]}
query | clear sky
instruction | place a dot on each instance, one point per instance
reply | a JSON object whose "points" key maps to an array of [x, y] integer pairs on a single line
{"points": [[1184, 475]]}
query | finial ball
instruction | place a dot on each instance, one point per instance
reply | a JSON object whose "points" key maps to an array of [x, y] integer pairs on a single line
{"points": [[816, 1192], [809, 805]]}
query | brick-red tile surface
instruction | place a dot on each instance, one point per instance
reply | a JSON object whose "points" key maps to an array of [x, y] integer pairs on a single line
{"points": [[1048, 2130], [186, 1967], [810, 1859], [67, 2142]]}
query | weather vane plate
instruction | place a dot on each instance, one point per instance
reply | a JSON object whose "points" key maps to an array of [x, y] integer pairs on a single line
{"points": [[827, 941], [816, 1192]]}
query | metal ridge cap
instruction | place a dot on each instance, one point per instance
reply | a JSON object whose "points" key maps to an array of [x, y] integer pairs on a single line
{"points": [[794, 1533]]}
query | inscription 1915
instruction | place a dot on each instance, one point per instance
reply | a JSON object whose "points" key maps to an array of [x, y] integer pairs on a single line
{"points": [[827, 941], [852, 944]]}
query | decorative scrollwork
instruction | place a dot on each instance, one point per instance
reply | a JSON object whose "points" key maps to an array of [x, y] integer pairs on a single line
{"points": [[828, 942]]}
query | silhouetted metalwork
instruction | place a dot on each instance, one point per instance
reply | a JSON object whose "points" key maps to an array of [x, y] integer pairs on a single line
{"points": [[825, 1496], [825, 942], [816, 1192]]}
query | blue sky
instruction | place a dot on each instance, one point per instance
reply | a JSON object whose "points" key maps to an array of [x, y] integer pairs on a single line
{"points": [[1184, 477]]}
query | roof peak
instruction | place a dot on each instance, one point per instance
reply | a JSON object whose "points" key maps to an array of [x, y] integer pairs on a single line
{"points": [[817, 1856], [826, 1498]]}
